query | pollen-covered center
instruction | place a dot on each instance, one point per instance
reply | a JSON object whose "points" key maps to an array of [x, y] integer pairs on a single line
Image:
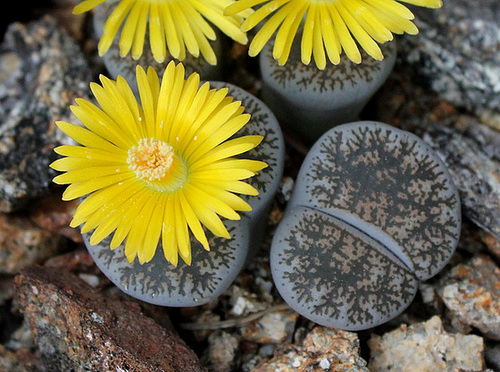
{"points": [[151, 159]]}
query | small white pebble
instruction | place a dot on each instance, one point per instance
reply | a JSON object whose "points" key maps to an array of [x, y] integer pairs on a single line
{"points": [[97, 318], [88, 335], [287, 188], [92, 280], [240, 306], [296, 363], [325, 364]]}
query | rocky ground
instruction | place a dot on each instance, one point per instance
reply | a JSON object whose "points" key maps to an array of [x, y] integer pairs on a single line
{"points": [[58, 312]]}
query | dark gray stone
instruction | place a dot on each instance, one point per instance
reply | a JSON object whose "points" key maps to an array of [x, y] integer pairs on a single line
{"points": [[471, 152], [457, 53], [41, 72]]}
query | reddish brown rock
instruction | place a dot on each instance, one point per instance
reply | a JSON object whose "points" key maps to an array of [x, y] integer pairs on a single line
{"points": [[54, 215], [23, 244], [491, 242], [21, 360], [77, 328]]}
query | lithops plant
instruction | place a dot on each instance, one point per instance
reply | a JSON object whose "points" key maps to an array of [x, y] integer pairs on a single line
{"points": [[210, 272], [118, 63], [309, 101], [374, 211]]}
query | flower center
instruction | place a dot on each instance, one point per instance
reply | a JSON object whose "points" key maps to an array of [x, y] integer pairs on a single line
{"points": [[151, 159]]}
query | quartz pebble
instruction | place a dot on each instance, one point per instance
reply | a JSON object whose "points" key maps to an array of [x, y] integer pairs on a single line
{"points": [[472, 292], [425, 347], [274, 327], [222, 351], [328, 349]]}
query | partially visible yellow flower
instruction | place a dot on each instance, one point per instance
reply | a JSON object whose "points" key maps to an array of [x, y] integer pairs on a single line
{"points": [[173, 24], [331, 25], [157, 168]]}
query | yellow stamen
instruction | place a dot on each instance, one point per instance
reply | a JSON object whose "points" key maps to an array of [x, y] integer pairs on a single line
{"points": [[151, 159]]}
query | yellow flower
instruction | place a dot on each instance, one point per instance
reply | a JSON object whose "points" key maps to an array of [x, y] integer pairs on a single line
{"points": [[173, 24], [157, 168], [331, 25]]}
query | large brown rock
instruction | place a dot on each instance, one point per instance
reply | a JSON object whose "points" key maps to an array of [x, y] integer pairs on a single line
{"points": [[78, 328]]}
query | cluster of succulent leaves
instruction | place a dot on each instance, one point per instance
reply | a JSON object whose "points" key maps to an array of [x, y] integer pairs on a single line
{"points": [[373, 212], [353, 244]]}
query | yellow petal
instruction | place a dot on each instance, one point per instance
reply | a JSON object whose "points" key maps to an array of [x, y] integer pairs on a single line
{"points": [[113, 24], [85, 137], [241, 5], [77, 190], [193, 221], [128, 31], [307, 36], [86, 5], [168, 234], [157, 34]]}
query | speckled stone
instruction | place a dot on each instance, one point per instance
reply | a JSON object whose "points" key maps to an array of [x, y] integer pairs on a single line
{"points": [[471, 152], [456, 52], [53, 214], [323, 349], [492, 243], [472, 291], [425, 347], [276, 327], [76, 328], [222, 351], [19, 361], [23, 244], [41, 72]]}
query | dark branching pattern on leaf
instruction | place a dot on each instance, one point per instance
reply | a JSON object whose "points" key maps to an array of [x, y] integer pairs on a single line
{"points": [[373, 211], [390, 181], [159, 277], [335, 274], [309, 77]]}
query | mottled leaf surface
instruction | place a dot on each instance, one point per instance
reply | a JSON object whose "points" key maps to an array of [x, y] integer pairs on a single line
{"points": [[335, 276], [374, 211]]}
